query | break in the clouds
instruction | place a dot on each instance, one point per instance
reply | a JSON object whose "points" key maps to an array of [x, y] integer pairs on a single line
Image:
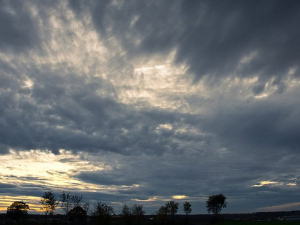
{"points": [[145, 101]]}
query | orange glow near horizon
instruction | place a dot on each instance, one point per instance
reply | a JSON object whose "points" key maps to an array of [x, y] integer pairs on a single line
{"points": [[32, 201], [44, 168], [46, 171]]}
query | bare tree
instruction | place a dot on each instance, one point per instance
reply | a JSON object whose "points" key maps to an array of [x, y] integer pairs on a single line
{"points": [[66, 201], [77, 200], [86, 206], [69, 201]]}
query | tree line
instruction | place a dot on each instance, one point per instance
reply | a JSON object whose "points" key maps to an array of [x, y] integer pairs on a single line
{"points": [[75, 209]]}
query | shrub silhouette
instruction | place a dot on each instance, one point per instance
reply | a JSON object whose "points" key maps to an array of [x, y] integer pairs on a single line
{"points": [[77, 215]]}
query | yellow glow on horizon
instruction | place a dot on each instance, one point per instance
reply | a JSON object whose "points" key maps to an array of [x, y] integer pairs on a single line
{"points": [[56, 172], [44, 168], [155, 198], [264, 183], [179, 197], [284, 207], [261, 96], [31, 201]]}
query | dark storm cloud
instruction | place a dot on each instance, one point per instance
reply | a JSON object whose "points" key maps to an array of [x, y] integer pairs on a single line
{"points": [[59, 112], [180, 174], [17, 29], [7, 186], [110, 199], [261, 126], [220, 35], [105, 178], [34, 191], [212, 37], [231, 30], [65, 111], [197, 176], [237, 143]]}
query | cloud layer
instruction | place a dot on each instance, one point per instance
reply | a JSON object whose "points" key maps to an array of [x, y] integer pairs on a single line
{"points": [[143, 101]]}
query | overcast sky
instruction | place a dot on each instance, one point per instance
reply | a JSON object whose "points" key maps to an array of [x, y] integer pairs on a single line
{"points": [[142, 102]]}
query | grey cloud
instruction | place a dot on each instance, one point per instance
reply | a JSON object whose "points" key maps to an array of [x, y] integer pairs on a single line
{"points": [[105, 178], [103, 197], [17, 29], [212, 37], [60, 112], [257, 126], [258, 88], [239, 141], [6, 186], [59, 99], [199, 177], [234, 28], [27, 192]]}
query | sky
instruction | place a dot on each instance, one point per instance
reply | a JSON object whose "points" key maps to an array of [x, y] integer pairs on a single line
{"points": [[143, 102]]}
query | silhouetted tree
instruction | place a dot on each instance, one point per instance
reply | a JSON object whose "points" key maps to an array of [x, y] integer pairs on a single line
{"points": [[102, 213], [86, 206], [126, 215], [69, 201], [17, 210], [172, 207], [77, 215], [65, 201], [138, 212], [49, 203], [77, 200], [215, 203], [187, 208], [162, 214], [126, 211]]}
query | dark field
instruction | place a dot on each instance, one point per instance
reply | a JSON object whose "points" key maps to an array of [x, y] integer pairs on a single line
{"points": [[260, 223]]}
